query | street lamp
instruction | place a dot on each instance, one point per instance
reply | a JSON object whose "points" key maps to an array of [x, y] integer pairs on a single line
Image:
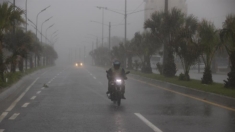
{"points": [[47, 30], [37, 18], [125, 16], [102, 8], [109, 25], [97, 39], [42, 26]]}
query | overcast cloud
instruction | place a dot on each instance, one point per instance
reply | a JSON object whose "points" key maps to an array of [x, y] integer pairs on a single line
{"points": [[72, 18]]}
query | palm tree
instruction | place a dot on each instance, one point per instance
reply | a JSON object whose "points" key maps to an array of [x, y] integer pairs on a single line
{"points": [[186, 46], [8, 18], [150, 45], [227, 35], [165, 27], [209, 40]]}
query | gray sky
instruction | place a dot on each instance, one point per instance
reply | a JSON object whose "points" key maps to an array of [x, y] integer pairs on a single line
{"points": [[72, 18]]}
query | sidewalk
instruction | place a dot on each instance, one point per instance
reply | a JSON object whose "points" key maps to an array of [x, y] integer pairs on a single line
{"points": [[219, 77]]}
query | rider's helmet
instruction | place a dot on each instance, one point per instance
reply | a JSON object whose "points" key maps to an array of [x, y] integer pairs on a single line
{"points": [[116, 64]]}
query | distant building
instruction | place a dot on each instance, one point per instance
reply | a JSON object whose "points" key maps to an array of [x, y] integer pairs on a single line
{"points": [[159, 5]]}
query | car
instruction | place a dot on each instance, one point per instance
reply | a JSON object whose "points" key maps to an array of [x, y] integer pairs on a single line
{"points": [[78, 64]]}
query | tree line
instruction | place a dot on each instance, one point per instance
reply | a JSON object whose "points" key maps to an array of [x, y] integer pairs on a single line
{"points": [[20, 48], [183, 36]]}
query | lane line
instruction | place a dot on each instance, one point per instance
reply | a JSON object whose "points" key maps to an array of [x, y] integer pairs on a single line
{"points": [[25, 105], [186, 95], [148, 123], [42, 88], [33, 97], [4, 114], [14, 116], [1, 130], [38, 92], [94, 77], [21, 96]]}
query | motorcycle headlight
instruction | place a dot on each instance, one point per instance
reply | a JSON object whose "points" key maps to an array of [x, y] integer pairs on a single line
{"points": [[119, 81]]}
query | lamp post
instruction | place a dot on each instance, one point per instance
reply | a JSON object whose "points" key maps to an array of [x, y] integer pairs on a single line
{"points": [[96, 39], [37, 18], [47, 30], [42, 26], [102, 8], [110, 26]]}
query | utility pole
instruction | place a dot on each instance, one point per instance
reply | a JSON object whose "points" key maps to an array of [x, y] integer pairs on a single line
{"points": [[97, 42], [109, 35], [92, 63], [102, 8], [14, 27], [26, 14], [84, 54], [125, 21], [166, 43]]}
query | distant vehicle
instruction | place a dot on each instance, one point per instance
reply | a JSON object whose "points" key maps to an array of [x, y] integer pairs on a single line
{"points": [[79, 64]]}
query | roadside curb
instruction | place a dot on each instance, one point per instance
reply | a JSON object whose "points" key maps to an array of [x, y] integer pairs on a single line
{"points": [[9, 90], [220, 99]]}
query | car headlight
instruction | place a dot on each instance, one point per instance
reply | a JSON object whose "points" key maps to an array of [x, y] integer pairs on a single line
{"points": [[76, 64], [81, 64]]}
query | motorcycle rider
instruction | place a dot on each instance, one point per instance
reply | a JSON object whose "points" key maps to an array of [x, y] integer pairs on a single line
{"points": [[116, 70]]}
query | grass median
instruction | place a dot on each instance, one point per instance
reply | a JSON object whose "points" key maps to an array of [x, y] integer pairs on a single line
{"points": [[216, 88], [12, 78]]}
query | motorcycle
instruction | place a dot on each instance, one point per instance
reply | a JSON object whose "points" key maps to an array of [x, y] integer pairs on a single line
{"points": [[117, 85]]}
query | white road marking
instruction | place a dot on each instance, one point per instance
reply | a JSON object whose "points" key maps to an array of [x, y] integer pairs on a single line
{"points": [[38, 92], [33, 97], [21, 96], [94, 77], [25, 105], [4, 114], [155, 129], [1, 130], [14, 116], [43, 88]]}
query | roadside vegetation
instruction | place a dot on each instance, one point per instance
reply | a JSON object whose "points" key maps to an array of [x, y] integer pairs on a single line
{"points": [[216, 88], [176, 35], [21, 52]]}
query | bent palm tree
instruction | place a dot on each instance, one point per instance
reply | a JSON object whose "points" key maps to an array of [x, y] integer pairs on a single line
{"points": [[209, 40], [8, 18], [227, 35]]}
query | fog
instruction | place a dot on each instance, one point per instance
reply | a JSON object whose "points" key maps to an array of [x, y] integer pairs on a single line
{"points": [[72, 19]]}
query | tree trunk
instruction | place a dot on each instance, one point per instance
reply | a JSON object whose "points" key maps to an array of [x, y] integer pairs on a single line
{"points": [[35, 60], [38, 59], [169, 67], [207, 76], [31, 62], [2, 66], [130, 62], [147, 66], [13, 64], [230, 83], [21, 65], [26, 62]]}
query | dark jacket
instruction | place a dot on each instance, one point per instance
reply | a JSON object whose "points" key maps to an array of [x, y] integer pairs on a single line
{"points": [[120, 72]]}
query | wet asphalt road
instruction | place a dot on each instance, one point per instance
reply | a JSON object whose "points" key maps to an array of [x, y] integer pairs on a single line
{"points": [[76, 102]]}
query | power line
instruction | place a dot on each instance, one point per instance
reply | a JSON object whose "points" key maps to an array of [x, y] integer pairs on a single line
{"points": [[138, 6]]}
